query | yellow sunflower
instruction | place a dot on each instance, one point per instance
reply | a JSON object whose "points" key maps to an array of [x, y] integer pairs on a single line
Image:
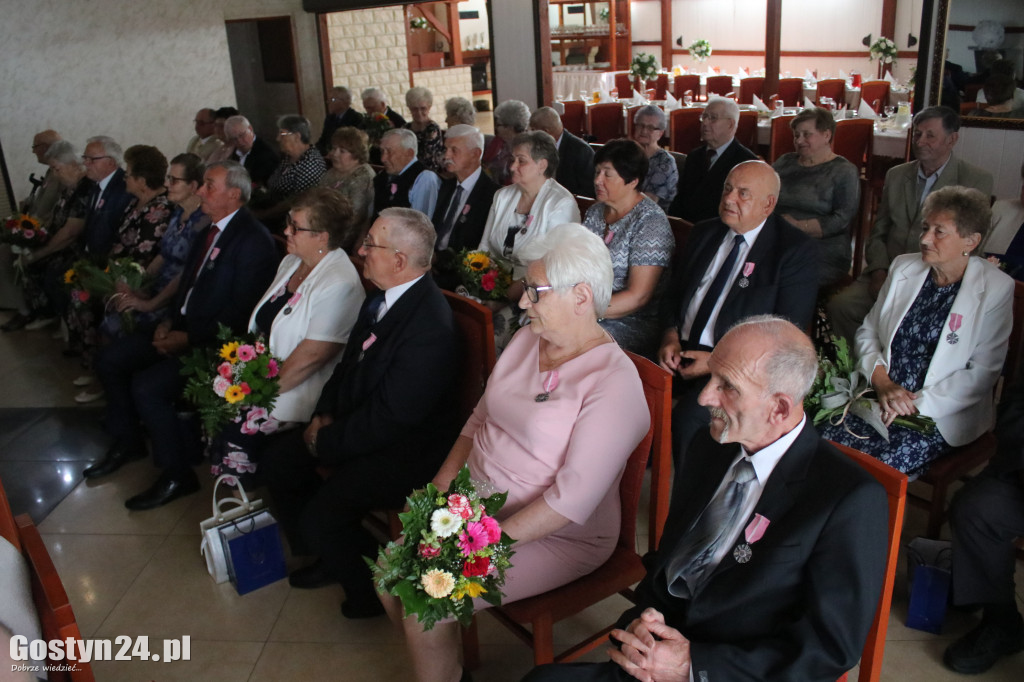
{"points": [[28, 222], [233, 394], [477, 260], [229, 351], [70, 276]]}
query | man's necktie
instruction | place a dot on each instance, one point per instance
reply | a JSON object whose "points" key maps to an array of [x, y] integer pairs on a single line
{"points": [[688, 568], [373, 307], [714, 292], [450, 215], [211, 234], [711, 158]]}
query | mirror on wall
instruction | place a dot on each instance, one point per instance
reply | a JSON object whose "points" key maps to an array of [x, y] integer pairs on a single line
{"points": [[978, 60]]}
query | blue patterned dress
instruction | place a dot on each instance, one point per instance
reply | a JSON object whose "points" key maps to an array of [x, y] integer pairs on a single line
{"points": [[662, 178], [912, 349]]}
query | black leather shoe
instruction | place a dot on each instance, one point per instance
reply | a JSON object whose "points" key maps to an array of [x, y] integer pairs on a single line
{"points": [[311, 577], [112, 461], [979, 649], [369, 607], [15, 323], [164, 491]]}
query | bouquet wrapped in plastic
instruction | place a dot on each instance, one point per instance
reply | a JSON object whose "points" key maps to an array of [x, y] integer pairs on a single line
{"points": [[483, 276], [452, 550]]}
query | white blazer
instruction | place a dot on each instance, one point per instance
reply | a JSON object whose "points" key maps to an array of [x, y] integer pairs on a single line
{"points": [[327, 308], [957, 391], [553, 206]]}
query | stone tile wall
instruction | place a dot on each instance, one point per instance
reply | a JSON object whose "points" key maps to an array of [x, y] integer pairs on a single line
{"points": [[454, 81], [368, 49]]}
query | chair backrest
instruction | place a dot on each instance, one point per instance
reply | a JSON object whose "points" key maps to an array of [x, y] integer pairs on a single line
{"points": [[781, 140], [971, 91], [575, 117], [719, 85], [681, 233], [624, 84], [895, 483], [584, 203], [606, 121], [684, 129], [834, 88], [791, 91], [656, 444], [750, 87], [630, 115], [746, 129], [680, 84], [876, 94], [853, 140], [476, 329], [660, 85]]}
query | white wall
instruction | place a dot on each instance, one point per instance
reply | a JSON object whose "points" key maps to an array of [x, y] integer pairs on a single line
{"points": [[472, 29], [137, 71]]}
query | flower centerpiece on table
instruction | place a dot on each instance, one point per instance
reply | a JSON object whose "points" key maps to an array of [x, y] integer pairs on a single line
{"points": [[643, 67], [235, 381], [452, 550], [418, 22], [841, 389], [700, 50], [483, 276], [884, 50], [23, 232]]}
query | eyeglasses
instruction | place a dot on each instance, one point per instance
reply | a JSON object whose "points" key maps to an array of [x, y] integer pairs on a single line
{"points": [[295, 228], [286, 133], [171, 180], [533, 291], [643, 127], [710, 117], [93, 159], [367, 244]]}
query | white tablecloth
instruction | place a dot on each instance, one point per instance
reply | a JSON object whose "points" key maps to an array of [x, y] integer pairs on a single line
{"points": [[567, 84]]}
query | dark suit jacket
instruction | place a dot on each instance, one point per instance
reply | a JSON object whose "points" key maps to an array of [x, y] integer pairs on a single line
{"points": [[575, 165], [784, 281], [351, 117], [700, 187], [261, 162], [393, 399], [105, 218], [469, 227], [396, 118], [228, 286], [800, 609]]}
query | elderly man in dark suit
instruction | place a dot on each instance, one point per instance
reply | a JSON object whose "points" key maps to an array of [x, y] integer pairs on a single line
{"points": [[575, 157], [746, 262], [986, 516], [384, 421], [258, 157], [102, 157], [897, 229], [773, 556], [706, 167], [228, 268], [339, 113]]}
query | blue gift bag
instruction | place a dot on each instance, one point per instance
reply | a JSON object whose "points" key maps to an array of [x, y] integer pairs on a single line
{"points": [[254, 551], [928, 562]]}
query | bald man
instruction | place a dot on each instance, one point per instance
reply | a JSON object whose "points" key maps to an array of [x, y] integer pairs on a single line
{"points": [[746, 262], [575, 157]]}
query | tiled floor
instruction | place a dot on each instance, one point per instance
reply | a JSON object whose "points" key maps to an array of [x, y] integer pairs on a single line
{"points": [[140, 573]]}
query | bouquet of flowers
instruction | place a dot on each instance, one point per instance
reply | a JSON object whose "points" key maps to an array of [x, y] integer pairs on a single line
{"points": [[235, 382], [418, 22], [840, 389], [376, 125], [884, 50], [452, 550], [483, 276], [643, 66], [24, 231], [87, 279], [700, 50]]}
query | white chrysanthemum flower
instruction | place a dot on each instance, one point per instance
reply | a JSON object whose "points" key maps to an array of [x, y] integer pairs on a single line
{"points": [[444, 523]]}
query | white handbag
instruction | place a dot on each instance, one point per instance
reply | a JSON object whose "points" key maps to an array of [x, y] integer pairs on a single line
{"points": [[225, 512]]}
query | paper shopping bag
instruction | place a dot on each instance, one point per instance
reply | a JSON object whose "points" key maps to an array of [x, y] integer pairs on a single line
{"points": [[254, 551], [224, 512]]}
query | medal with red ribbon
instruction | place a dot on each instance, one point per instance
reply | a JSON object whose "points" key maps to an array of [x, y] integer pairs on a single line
{"points": [[753, 532], [955, 321], [748, 270]]}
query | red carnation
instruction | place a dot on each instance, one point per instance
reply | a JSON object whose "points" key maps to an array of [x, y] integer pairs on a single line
{"points": [[489, 280], [476, 567]]}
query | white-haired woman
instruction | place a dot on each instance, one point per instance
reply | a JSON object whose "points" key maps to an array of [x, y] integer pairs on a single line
{"points": [[561, 458], [429, 138], [459, 111], [511, 118]]}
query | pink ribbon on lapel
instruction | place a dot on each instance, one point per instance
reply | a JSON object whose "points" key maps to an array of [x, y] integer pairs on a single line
{"points": [[755, 529], [369, 341], [748, 268], [955, 320]]}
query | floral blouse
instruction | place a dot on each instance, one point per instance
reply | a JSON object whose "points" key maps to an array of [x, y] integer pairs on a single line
{"points": [[141, 230], [662, 178], [430, 151], [175, 244]]}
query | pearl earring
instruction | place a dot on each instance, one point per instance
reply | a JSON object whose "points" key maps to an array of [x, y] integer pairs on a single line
{"points": [[965, 253], [321, 252]]}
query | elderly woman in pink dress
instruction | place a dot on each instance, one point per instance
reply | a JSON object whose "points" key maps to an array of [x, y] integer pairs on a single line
{"points": [[562, 412]]}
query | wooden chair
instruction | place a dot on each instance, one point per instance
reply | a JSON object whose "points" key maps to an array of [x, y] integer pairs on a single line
{"points": [[681, 232], [962, 461], [971, 91], [575, 117], [719, 85], [791, 91], [746, 129], [834, 88], [853, 141], [781, 140], [630, 115], [680, 84], [624, 567], [56, 617], [605, 121], [584, 203], [750, 87], [876, 94], [624, 84], [684, 129], [895, 484], [660, 85]]}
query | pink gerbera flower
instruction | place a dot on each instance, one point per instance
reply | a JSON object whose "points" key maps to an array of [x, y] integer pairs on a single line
{"points": [[246, 353], [271, 369], [492, 529], [473, 539]]}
